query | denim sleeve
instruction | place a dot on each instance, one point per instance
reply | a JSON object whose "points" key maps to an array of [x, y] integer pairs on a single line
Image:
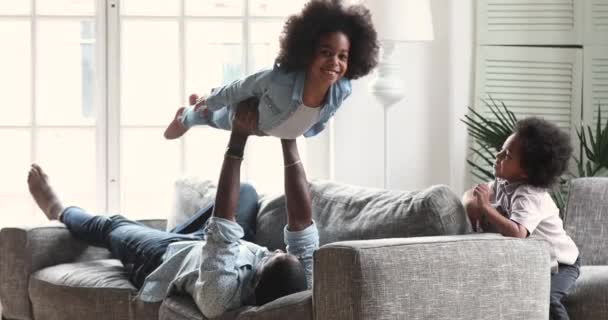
{"points": [[239, 90], [217, 286], [303, 244]]}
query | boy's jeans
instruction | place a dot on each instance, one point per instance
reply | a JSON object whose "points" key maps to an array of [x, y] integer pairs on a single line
{"points": [[561, 283], [141, 248]]}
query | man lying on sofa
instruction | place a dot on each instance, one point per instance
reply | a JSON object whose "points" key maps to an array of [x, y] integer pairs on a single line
{"points": [[219, 270]]}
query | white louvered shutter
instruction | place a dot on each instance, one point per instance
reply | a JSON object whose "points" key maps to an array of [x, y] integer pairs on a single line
{"points": [[595, 84], [596, 22], [533, 22], [543, 82]]}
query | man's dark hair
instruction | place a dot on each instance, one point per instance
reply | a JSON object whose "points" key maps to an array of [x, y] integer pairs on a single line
{"points": [[301, 34], [545, 151], [282, 277]]}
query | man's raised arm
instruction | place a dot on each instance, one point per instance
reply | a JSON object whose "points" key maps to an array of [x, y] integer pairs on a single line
{"points": [[297, 193], [216, 288], [227, 196]]}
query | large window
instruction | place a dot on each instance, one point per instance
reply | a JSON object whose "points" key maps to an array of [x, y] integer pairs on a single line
{"points": [[89, 86]]}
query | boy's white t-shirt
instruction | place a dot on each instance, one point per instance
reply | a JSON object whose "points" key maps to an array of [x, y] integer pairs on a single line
{"points": [[534, 209], [298, 123]]}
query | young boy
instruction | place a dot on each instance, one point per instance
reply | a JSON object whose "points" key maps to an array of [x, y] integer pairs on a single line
{"points": [[517, 203]]}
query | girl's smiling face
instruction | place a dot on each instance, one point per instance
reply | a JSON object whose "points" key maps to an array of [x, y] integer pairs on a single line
{"points": [[330, 60]]}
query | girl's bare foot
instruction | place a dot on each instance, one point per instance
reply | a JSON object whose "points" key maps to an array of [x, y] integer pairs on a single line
{"points": [[176, 129], [43, 194]]}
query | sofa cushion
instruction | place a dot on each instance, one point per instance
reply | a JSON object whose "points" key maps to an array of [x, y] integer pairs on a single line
{"points": [[588, 300], [100, 289], [346, 212], [586, 218], [184, 308], [297, 306]]}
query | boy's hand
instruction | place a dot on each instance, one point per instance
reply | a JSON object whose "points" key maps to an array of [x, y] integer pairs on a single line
{"points": [[482, 194]]}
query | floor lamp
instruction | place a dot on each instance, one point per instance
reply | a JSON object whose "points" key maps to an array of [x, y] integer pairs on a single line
{"points": [[396, 21]]}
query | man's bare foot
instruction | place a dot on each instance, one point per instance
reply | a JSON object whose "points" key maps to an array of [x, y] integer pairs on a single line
{"points": [[176, 129], [43, 194]]}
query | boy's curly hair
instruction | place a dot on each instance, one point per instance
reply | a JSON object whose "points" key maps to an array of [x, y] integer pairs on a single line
{"points": [[301, 34], [545, 151]]}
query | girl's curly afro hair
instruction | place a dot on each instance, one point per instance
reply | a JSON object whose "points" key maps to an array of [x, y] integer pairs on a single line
{"points": [[301, 34], [545, 151]]}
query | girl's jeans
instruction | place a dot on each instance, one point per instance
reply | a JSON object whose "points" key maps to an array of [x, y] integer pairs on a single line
{"points": [[141, 248]]}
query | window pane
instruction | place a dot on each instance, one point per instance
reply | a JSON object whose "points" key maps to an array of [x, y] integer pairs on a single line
{"points": [[149, 167], [150, 72], [68, 156], [275, 7], [65, 7], [15, 76], [14, 195], [214, 7], [264, 45], [212, 58], [264, 162], [66, 72], [14, 7], [150, 7], [205, 149]]}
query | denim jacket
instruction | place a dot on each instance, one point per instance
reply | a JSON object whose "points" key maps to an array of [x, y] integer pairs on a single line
{"points": [[280, 94]]}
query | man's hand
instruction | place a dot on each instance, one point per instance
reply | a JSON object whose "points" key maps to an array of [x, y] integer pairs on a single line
{"points": [[197, 102], [245, 122]]}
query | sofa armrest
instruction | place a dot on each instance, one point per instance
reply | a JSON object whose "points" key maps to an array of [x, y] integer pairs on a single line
{"points": [[25, 250], [446, 277]]}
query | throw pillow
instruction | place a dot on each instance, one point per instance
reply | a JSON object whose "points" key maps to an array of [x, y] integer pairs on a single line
{"points": [[190, 194]]}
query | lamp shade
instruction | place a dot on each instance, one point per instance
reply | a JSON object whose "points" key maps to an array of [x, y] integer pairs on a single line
{"points": [[402, 20]]}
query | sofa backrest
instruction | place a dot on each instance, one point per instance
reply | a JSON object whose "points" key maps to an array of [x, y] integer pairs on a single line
{"points": [[347, 212], [586, 218]]}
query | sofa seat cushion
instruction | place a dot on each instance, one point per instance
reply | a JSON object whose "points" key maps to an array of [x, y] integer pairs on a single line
{"points": [[183, 308], [297, 306], [99, 289], [588, 300], [348, 212]]}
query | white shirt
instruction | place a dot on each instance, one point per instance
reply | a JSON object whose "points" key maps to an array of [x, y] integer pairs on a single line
{"points": [[299, 122], [534, 209]]}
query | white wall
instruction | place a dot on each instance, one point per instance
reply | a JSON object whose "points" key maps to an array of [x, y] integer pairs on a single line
{"points": [[427, 140]]}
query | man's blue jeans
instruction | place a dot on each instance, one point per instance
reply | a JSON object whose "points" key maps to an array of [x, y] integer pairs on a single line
{"points": [[141, 248]]}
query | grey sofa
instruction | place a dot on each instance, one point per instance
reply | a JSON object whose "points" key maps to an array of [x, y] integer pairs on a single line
{"points": [[385, 255], [586, 221]]}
